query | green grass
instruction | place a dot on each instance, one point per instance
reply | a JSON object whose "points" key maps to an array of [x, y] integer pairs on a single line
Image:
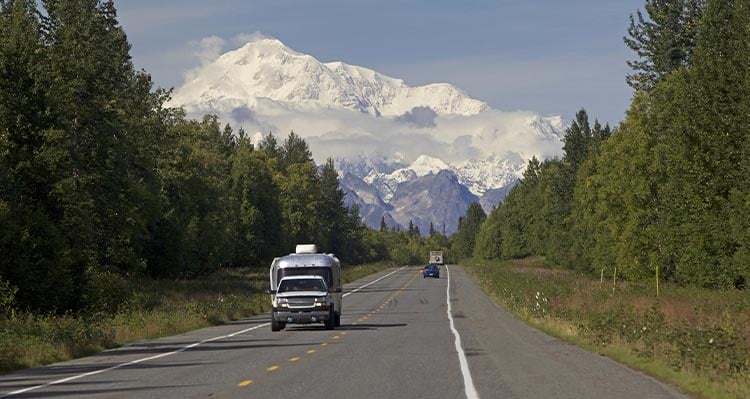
{"points": [[155, 308], [696, 339]]}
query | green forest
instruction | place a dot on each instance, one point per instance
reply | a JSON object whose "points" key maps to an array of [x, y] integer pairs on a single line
{"points": [[668, 190], [101, 183]]}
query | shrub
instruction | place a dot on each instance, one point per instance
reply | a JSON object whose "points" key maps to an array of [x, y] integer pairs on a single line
{"points": [[7, 297], [105, 292]]}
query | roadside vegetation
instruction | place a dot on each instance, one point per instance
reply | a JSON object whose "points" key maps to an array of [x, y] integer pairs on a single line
{"points": [[580, 245], [154, 308], [695, 338]]}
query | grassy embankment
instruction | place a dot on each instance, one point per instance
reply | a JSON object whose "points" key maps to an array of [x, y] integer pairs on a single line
{"points": [[156, 308], [696, 339]]}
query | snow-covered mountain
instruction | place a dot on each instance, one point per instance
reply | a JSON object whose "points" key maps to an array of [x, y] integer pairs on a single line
{"points": [[477, 176], [390, 140], [412, 193], [266, 69]]}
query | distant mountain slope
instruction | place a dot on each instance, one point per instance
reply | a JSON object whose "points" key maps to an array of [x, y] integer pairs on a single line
{"points": [[437, 198]]}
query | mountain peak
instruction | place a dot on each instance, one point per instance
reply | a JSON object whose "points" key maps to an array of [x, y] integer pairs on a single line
{"points": [[264, 46], [266, 71], [425, 165]]}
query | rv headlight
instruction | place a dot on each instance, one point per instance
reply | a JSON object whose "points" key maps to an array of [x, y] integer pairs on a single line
{"points": [[282, 302]]}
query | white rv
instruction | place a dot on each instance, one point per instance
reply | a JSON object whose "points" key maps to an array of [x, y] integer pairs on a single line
{"points": [[306, 307]]}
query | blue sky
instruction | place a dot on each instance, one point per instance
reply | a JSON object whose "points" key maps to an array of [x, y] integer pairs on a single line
{"points": [[551, 57]]}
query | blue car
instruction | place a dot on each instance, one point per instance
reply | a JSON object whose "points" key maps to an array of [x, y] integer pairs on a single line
{"points": [[431, 270]]}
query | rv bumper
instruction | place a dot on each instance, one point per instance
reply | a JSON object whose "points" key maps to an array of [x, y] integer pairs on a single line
{"points": [[302, 316]]}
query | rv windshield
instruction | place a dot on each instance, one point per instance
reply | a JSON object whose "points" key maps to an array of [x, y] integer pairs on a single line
{"points": [[308, 284], [324, 272]]}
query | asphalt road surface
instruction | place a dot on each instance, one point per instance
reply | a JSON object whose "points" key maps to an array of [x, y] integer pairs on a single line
{"points": [[398, 339]]}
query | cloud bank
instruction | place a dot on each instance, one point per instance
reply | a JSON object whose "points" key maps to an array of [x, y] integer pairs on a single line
{"points": [[342, 133]]}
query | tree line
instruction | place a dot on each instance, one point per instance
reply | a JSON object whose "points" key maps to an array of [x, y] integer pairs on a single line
{"points": [[669, 189], [100, 182]]}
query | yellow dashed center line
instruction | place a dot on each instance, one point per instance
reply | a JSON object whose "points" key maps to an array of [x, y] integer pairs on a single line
{"points": [[311, 351]]}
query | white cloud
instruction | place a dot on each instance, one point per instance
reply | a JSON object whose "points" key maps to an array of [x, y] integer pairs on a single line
{"points": [[206, 50], [244, 38], [345, 133]]}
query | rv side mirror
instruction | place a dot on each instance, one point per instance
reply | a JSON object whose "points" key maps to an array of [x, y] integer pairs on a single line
{"points": [[271, 292], [337, 290]]}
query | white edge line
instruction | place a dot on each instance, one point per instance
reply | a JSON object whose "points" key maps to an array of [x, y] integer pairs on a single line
{"points": [[193, 345], [90, 373], [471, 392]]}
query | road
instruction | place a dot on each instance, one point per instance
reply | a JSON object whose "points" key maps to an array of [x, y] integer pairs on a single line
{"points": [[396, 341]]}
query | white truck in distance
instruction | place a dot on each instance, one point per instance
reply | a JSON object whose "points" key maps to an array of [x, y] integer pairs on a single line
{"points": [[298, 308], [436, 257]]}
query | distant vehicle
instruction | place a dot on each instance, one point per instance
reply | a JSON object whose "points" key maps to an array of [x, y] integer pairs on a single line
{"points": [[302, 300], [306, 261], [431, 270], [436, 257]]}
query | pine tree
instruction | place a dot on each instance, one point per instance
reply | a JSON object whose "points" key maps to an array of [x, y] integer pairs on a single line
{"points": [[270, 146], [332, 212], [663, 41], [295, 150], [578, 139], [465, 237]]}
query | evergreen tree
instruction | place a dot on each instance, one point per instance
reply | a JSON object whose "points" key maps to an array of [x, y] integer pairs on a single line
{"points": [[489, 240], [256, 198], [354, 250], [97, 103], [468, 227], [332, 212], [578, 139], [383, 226], [663, 41], [270, 146], [194, 234], [300, 199], [295, 150]]}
